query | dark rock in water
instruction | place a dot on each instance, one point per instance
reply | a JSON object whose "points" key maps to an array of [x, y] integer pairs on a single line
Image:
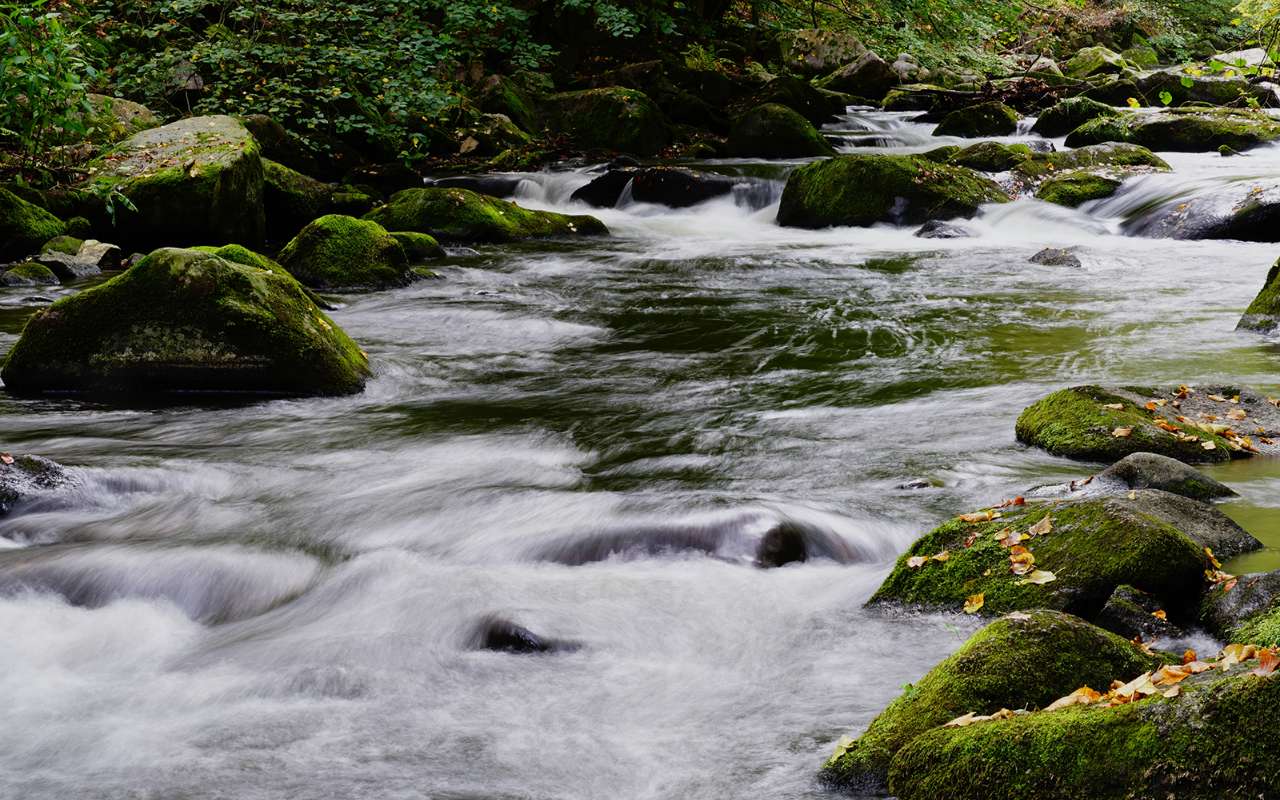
{"points": [[68, 268], [1153, 471], [1069, 114], [1116, 93], [492, 185], [915, 483], [773, 130], [1132, 613], [1246, 210], [28, 273], [28, 476], [1263, 314], [1055, 257], [937, 229], [503, 635], [869, 76], [992, 118], [676, 187], [291, 199], [1247, 612], [814, 104]]}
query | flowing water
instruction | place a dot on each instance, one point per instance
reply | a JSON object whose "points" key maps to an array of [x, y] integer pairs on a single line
{"points": [[276, 599]]}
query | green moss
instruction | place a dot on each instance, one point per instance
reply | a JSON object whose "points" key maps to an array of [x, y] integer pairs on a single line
{"points": [[611, 118], [353, 203], [186, 321], [460, 215], [418, 246], [775, 131], [1072, 189], [941, 155], [501, 95], [1017, 663], [1112, 157], [24, 226], [1182, 130], [912, 97], [68, 245], [991, 156], [240, 254], [290, 199], [1076, 423], [1261, 629], [866, 189], [28, 273], [111, 119], [1069, 114], [340, 252], [991, 118], [1081, 551], [1263, 314], [1095, 60], [79, 227]]}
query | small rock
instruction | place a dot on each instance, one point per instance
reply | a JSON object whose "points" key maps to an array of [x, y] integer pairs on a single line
{"points": [[1132, 613], [101, 254], [937, 229], [1056, 257], [1153, 471], [68, 268]]}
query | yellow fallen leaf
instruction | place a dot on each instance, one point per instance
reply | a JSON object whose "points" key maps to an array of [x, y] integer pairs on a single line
{"points": [[1237, 414], [962, 721], [1083, 696], [1212, 560], [1172, 691], [1160, 614], [1234, 654], [1169, 675], [1218, 398], [1019, 615], [973, 604], [1039, 577], [1013, 538], [1114, 406], [943, 556], [1188, 656], [916, 562], [1021, 560], [1123, 432], [1133, 495], [1268, 660], [842, 746], [1208, 445], [1045, 525], [979, 516]]}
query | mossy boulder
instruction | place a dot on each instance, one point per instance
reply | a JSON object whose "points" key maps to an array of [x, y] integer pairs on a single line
{"points": [[194, 181], [811, 102], [337, 252], [1134, 614], [1141, 56], [1214, 90], [870, 76], [1093, 423], [1263, 314], [1207, 742], [418, 246], [28, 273], [290, 199], [862, 190], [1112, 159], [186, 321], [991, 118], [1067, 115], [1154, 471], [498, 94], [1247, 611], [814, 51], [68, 245], [1021, 661], [460, 215], [1116, 91], [611, 118], [239, 254], [1190, 130], [1096, 60], [1072, 189], [111, 119], [990, 156], [775, 131], [24, 226], [27, 477], [1149, 539]]}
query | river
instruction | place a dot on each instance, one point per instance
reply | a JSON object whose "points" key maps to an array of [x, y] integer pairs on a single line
{"points": [[275, 599]]}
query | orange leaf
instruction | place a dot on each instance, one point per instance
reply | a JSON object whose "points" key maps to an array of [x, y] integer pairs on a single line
{"points": [[1042, 527], [1160, 614], [974, 603], [1083, 696], [6, 459], [1114, 406], [943, 556], [1268, 660], [979, 516], [1188, 656]]}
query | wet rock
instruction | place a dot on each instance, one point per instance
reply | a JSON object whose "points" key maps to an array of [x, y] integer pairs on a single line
{"points": [[1093, 423], [1191, 130], [1116, 92], [418, 246], [1135, 614], [815, 51], [915, 483], [492, 134], [69, 245], [1067, 115], [504, 636], [1073, 189], [1096, 60], [492, 185], [1263, 314], [1149, 539], [991, 118], [814, 104], [1215, 90], [24, 226], [1111, 159], [1246, 612], [937, 229], [1056, 257], [193, 181], [68, 268], [337, 252], [1154, 471], [1243, 210], [498, 94], [28, 273], [772, 130], [28, 476], [676, 187], [862, 190], [291, 199], [1019, 662], [1252, 57], [459, 215], [103, 255], [991, 156], [610, 118], [186, 321], [869, 76]]}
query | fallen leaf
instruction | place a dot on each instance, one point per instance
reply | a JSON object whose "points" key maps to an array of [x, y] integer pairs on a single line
{"points": [[1188, 656], [1114, 406], [1219, 398], [1268, 660], [1039, 577], [1045, 525], [1212, 560], [6, 459], [1083, 696], [1196, 667], [1172, 691], [1237, 414], [1228, 585], [1234, 654], [973, 604], [1017, 501], [943, 556], [1021, 560], [1169, 675], [1122, 432], [916, 562], [1140, 685], [1012, 538], [1208, 445], [970, 539], [1019, 615], [979, 516], [1160, 614], [962, 721], [1133, 495], [843, 746]]}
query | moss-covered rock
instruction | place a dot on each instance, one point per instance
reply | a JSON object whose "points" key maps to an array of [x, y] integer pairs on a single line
{"points": [[775, 131], [28, 273], [1112, 158], [194, 181], [239, 254], [1246, 610], [990, 156], [991, 118], [1097, 424], [611, 118], [80, 228], [1212, 89], [1263, 314], [1190, 130], [1204, 743], [814, 51], [1096, 60], [24, 226], [869, 77], [337, 252], [68, 245], [1148, 539], [811, 102], [1067, 115], [27, 477], [862, 190], [1020, 662], [290, 199], [1141, 56], [499, 94], [1072, 189], [418, 246], [186, 321], [459, 215], [1153, 471], [111, 119]]}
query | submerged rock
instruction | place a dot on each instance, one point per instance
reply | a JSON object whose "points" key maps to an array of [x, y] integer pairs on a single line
{"points": [[862, 190], [459, 215], [24, 226], [772, 130], [504, 636], [186, 321], [343, 253], [26, 477], [610, 118], [1067, 115], [936, 229], [991, 118], [1019, 661], [676, 187], [1191, 130], [1056, 257], [1247, 210]]}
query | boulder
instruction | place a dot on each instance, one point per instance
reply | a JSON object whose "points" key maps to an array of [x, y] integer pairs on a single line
{"points": [[493, 185], [814, 51], [290, 199], [869, 76], [1134, 614], [775, 131], [1252, 57], [991, 118], [1246, 210], [103, 255], [1116, 92], [1096, 60], [1216, 90], [1141, 56], [1067, 115], [27, 477], [193, 181], [458, 215], [28, 273], [337, 252], [186, 321], [1043, 67], [610, 118], [68, 268], [1247, 611], [1154, 471], [1189, 130], [110, 119], [498, 94], [1019, 661], [418, 246], [1263, 314], [991, 156], [1192, 425], [814, 104], [69, 245], [1110, 159], [1056, 257], [240, 254], [491, 135], [861, 190], [24, 226], [676, 187], [1075, 188], [1146, 538]]}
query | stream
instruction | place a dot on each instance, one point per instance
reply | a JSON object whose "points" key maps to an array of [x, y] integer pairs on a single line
{"points": [[276, 599]]}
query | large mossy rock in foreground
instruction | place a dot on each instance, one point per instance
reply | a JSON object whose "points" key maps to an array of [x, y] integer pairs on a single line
{"points": [[611, 118], [992, 118], [1200, 425], [1214, 739], [337, 252], [1148, 539], [24, 227], [461, 215], [1263, 314], [195, 181], [862, 190], [1192, 130], [186, 321], [775, 131], [1023, 661]]}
